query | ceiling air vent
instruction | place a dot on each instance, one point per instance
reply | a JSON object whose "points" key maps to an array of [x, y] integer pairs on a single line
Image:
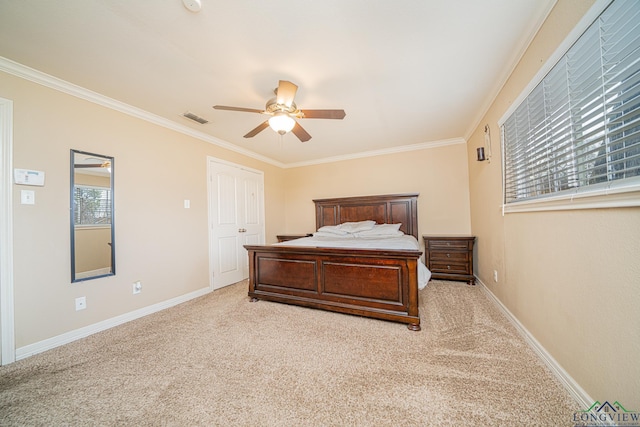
{"points": [[195, 118]]}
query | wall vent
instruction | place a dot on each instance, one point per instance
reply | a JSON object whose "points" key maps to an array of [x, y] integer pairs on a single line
{"points": [[195, 118]]}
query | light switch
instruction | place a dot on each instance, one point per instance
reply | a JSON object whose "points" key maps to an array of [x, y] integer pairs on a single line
{"points": [[27, 197], [187, 204]]}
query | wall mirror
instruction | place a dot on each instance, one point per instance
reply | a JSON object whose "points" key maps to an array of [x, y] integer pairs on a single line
{"points": [[92, 216]]}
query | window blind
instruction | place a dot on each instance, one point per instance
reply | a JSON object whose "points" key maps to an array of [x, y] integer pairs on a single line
{"points": [[93, 205], [580, 126]]}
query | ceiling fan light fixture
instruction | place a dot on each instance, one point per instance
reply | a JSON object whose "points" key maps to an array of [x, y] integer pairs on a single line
{"points": [[284, 112], [281, 123]]}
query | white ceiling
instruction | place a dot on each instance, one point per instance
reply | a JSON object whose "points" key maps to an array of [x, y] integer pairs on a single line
{"points": [[406, 72]]}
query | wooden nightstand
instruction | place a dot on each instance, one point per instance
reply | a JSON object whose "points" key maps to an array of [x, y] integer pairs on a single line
{"points": [[450, 257], [286, 237]]}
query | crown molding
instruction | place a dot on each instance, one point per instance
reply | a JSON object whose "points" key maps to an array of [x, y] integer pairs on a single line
{"points": [[383, 152], [528, 36], [35, 76]]}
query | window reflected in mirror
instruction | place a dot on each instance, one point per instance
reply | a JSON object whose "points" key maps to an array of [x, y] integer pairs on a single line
{"points": [[92, 216]]}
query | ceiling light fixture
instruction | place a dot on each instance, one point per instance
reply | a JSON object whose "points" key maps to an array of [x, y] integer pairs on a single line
{"points": [[192, 5], [281, 122]]}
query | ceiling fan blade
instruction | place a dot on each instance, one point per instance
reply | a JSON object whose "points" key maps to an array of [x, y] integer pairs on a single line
{"points": [[302, 134], [323, 114], [286, 92], [262, 126], [246, 110]]}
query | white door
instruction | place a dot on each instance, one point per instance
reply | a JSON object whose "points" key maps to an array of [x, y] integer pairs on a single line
{"points": [[236, 216]]}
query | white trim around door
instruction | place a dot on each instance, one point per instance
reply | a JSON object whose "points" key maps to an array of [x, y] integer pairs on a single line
{"points": [[7, 333], [236, 218]]}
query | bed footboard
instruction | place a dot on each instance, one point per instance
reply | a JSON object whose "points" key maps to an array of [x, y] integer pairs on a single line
{"points": [[381, 284]]}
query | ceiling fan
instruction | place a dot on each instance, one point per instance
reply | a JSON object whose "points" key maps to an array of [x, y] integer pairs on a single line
{"points": [[103, 164], [284, 111], [95, 165]]}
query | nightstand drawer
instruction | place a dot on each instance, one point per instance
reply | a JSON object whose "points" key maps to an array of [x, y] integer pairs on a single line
{"points": [[462, 257], [438, 245], [450, 268]]}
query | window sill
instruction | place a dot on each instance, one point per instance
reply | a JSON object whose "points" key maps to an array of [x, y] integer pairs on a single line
{"points": [[620, 197]]}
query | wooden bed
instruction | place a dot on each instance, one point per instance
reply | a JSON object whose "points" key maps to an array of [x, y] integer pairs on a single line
{"points": [[381, 284]]}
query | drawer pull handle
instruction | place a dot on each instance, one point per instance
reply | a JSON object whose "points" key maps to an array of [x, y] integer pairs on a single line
{"points": [[448, 267], [448, 255]]}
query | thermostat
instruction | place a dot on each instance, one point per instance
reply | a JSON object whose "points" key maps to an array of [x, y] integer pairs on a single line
{"points": [[28, 177]]}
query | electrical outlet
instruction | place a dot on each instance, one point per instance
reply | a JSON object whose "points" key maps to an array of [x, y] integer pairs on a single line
{"points": [[81, 303], [137, 287], [495, 276]]}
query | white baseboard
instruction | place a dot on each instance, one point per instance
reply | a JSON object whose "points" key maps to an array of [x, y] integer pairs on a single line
{"points": [[66, 338], [574, 389]]}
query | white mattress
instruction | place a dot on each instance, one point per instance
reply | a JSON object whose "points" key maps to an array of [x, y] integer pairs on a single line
{"points": [[395, 242]]}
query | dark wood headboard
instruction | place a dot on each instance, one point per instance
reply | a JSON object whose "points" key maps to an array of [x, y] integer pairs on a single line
{"points": [[385, 209]]}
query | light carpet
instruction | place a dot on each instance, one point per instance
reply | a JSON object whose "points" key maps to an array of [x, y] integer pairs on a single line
{"points": [[221, 360]]}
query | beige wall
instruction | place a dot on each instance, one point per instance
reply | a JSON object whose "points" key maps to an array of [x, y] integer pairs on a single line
{"points": [[439, 174], [92, 248], [155, 169], [157, 241], [570, 277]]}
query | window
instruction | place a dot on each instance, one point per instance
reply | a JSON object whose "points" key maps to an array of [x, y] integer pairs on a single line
{"points": [[578, 130], [93, 205]]}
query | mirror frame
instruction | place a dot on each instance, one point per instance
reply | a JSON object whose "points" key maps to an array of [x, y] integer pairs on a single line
{"points": [[75, 279]]}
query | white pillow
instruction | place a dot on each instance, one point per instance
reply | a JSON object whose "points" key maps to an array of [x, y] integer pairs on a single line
{"points": [[355, 227], [331, 230], [320, 233], [382, 230]]}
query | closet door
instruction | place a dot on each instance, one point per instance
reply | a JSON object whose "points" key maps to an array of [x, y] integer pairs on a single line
{"points": [[236, 216]]}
